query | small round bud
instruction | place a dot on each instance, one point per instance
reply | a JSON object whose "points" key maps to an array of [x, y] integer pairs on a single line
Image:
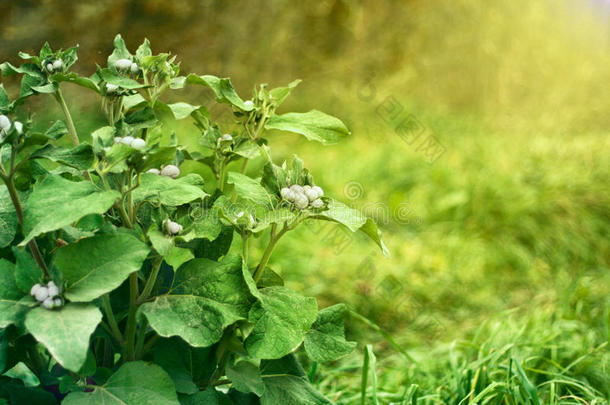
{"points": [[122, 64], [153, 171], [138, 144], [134, 68], [18, 127], [111, 88], [57, 302], [318, 190], [287, 194], [170, 171], [50, 67], [127, 140], [117, 139], [310, 193], [173, 228], [248, 105], [41, 294], [52, 289], [48, 303], [301, 201], [317, 203], [5, 123], [58, 64], [296, 189], [35, 288], [226, 138]]}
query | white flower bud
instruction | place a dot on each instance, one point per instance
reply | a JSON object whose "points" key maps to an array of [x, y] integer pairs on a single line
{"points": [[117, 139], [311, 194], [287, 194], [57, 302], [318, 190], [248, 105], [138, 144], [5, 123], [58, 64], [170, 171], [317, 203], [48, 303], [122, 64], [127, 140], [35, 288], [173, 228], [226, 138], [50, 67], [296, 189], [41, 294], [134, 68], [111, 88], [153, 171], [18, 127], [301, 201], [52, 289]]}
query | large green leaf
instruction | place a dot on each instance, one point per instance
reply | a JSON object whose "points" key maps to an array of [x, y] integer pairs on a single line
{"points": [[222, 88], [354, 220], [314, 125], [168, 191], [80, 157], [249, 189], [65, 332], [27, 272], [57, 202], [326, 339], [164, 245], [135, 383], [8, 217], [13, 305], [207, 297], [208, 397], [246, 377], [281, 318], [287, 384], [18, 393], [95, 266]]}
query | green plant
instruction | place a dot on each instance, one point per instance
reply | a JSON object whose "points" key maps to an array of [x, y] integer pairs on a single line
{"points": [[119, 280]]}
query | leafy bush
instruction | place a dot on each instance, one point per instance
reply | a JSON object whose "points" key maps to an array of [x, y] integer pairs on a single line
{"points": [[120, 280]]}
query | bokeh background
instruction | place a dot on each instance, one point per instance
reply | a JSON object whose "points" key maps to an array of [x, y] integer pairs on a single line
{"points": [[499, 233]]}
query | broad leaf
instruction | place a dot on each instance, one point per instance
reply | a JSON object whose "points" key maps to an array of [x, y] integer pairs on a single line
{"points": [[57, 202], [135, 383], [281, 318], [164, 245], [207, 297], [168, 191], [65, 332], [13, 306], [222, 88], [16, 392], [249, 189], [279, 94], [8, 218], [287, 384], [95, 266], [314, 125], [208, 397], [27, 272], [326, 339], [80, 157], [246, 377]]}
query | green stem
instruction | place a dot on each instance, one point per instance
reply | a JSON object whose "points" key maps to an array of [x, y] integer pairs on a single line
{"points": [[244, 165], [71, 128], [267, 254], [221, 175], [150, 283], [132, 325], [114, 327], [244, 247], [141, 338]]}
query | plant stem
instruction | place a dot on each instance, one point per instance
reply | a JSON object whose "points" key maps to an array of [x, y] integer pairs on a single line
{"points": [[150, 283], [114, 327], [140, 340], [132, 326], [244, 247], [267, 254]]}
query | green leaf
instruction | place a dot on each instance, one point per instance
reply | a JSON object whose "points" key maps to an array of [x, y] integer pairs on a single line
{"points": [[168, 191], [250, 189], [124, 82], [12, 305], [246, 377], [8, 218], [208, 397], [222, 88], [281, 318], [57, 202], [80, 157], [164, 245], [135, 383], [65, 332], [74, 78], [95, 266], [287, 384], [27, 272], [57, 130], [144, 49], [279, 94], [326, 339], [206, 226], [314, 125], [120, 50], [182, 110], [17, 393], [354, 220], [207, 297]]}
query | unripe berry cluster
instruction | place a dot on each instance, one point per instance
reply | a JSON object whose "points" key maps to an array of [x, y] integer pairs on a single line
{"points": [[303, 196], [54, 67], [172, 228], [168, 171], [126, 66], [48, 295], [5, 126], [136, 143]]}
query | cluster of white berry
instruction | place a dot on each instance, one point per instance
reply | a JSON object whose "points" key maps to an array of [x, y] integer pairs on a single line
{"points": [[5, 126], [169, 171], [56, 66], [136, 143], [126, 66], [303, 196], [48, 295], [172, 228]]}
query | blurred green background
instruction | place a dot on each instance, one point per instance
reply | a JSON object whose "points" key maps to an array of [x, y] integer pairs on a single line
{"points": [[499, 231]]}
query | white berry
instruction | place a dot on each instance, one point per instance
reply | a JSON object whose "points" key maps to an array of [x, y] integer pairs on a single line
{"points": [[111, 88], [5, 123], [50, 67], [134, 68], [122, 64], [35, 288], [127, 140], [296, 189], [318, 190], [57, 302], [153, 171], [18, 127], [173, 228], [311, 194], [138, 144], [48, 303], [301, 201], [118, 139], [287, 194], [52, 289], [317, 203], [41, 294], [226, 137], [58, 64], [170, 171], [248, 105]]}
